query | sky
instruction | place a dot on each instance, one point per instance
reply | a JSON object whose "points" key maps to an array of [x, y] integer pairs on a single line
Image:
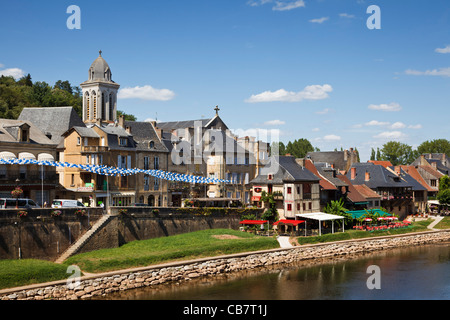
{"points": [[312, 69]]}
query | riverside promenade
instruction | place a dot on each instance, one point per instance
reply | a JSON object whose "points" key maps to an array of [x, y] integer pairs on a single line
{"points": [[98, 285]]}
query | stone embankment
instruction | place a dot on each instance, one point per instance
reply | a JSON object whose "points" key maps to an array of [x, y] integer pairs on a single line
{"points": [[102, 285]]}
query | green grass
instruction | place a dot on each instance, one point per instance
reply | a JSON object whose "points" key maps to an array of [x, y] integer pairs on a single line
{"points": [[180, 247], [16, 273], [444, 224]]}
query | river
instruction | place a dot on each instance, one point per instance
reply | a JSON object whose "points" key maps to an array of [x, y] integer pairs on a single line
{"points": [[413, 273]]}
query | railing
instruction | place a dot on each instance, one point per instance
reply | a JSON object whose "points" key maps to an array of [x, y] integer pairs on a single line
{"points": [[94, 149]]}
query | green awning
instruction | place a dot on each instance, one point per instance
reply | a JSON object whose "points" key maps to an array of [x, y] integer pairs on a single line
{"points": [[359, 213]]}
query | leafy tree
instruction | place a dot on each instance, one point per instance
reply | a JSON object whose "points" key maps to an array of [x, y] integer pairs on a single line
{"points": [[435, 146], [281, 148], [398, 153], [444, 190], [299, 148], [337, 208], [126, 117], [63, 85], [372, 155], [271, 212]]}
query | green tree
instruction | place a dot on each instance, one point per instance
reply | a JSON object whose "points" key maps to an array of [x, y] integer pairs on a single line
{"points": [[126, 116], [63, 85], [281, 148], [337, 208], [299, 148], [435, 146], [398, 153], [372, 155]]}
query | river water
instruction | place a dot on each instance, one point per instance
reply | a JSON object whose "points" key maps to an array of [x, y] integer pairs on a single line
{"points": [[415, 273]]}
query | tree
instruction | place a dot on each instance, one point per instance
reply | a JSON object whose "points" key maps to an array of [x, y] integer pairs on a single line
{"points": [[372, 155], [126, 116], [444, 190], [398, 153], [281, 148], [63, 85], [337, 208], [299, 148], [435, 146]]}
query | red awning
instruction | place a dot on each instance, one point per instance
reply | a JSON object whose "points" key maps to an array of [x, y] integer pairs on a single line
{"points": [[253, 222], [256, 198], [289, 222]]}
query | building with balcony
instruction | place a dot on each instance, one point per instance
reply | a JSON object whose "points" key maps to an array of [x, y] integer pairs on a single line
{"points": [[23, 140], [296, 189]]}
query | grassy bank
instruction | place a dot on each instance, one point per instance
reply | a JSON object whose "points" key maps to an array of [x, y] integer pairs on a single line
{"points": [[16, 273], [207, 243]]}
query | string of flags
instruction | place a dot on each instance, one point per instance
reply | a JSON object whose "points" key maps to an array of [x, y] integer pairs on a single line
{"points": [[114, 171]]}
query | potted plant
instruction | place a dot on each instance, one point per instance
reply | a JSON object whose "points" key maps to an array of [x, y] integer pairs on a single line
{"points": [[123, 211], [55, 213], [16, 194], [80, 212], [22, 214]]}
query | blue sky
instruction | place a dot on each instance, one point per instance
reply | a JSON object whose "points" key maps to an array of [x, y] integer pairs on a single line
{"points": [[309, 68]]}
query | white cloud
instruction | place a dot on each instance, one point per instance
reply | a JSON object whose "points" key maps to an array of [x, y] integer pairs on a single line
{"points": [[331, 137], [398, 125], [314, 92], [416, 126], [390, 135], [316, 129], [274, 123], [146, 93], [386, 107], [376, 123], [442, 72], [279, 5], [319, 20], [16, 73], [443, 50], [284, 6], [324, 111], [346, 15]]}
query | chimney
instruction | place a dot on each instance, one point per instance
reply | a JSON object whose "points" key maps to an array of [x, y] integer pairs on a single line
{"points": [[121, 121], [353, 173], [367, 176], [397, 170]]}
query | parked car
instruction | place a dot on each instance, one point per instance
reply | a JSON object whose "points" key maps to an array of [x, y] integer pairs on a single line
{"points": [[139, 205], [63, 203], [21, 203]]}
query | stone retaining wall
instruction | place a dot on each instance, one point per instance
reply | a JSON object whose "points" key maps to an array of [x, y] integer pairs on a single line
{"points": [[97, 286]]}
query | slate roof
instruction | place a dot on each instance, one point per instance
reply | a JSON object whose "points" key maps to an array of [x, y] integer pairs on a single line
{"points": [[412, 171], [116, 132], [143, 133], [9, 132], [284, 169], [85, 132], [53, 120], [173, 125], [380, 177], [324, 183]]}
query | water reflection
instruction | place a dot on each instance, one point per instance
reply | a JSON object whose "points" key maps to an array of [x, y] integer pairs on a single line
{"points": [[408, 273]]}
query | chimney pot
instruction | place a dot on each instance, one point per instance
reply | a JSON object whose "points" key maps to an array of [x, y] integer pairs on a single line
{"points": [[367, 176], [353, 173]]}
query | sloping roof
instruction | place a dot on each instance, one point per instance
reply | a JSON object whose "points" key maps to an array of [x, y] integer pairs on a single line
{"points": [[173, 125], [380, 177], [412, 171], [366, 192], [144, 133], [416, 186], [284, 169], [324, 183], [381, 163], [9, 132], [85, 132], [53, 120], [353, 194], [431, 171]]}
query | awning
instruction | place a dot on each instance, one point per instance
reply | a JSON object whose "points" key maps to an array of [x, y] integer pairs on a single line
{"points": [[319, 216], [253, 222], [27, 156], [45, 157], [5, 155], [359, 213], [256, 198], [289, 222]]}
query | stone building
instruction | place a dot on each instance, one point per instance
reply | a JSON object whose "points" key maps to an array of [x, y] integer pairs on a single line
{"points": [[20, 139]]}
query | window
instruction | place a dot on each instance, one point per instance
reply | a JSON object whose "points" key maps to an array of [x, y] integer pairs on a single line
{"points": [[78, 141], [304, 206], [156, 163], [151, 144], [298, 206], [289, 190], [433, 183], [289, 207], [146, 163], [156, 185], [123, 141], [269, 177], [309, 205]]}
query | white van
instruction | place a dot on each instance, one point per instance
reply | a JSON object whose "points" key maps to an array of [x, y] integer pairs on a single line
{"points": [[66, 203]]}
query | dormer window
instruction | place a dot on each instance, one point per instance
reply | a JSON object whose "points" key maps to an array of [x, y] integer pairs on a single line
{"points": [[270, 177], [123, 141], [151, 144]]}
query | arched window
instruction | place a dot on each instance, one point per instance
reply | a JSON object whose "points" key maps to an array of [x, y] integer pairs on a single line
{"points": [[103, 106], [111, 107], [94, 98], [87, 106]]}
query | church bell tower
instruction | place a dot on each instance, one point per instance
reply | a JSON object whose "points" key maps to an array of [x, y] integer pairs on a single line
{"points": [[99, 93]]}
